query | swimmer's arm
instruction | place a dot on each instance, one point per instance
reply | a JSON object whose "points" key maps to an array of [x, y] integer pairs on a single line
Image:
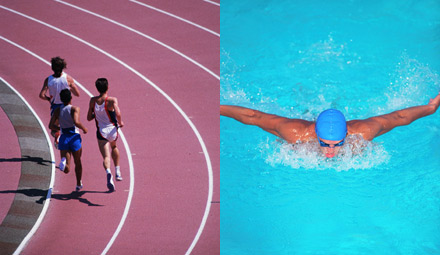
{"points": [[271, 123], [53, 120], [380, 125], [73, 88], [44, 91], [91, 112], [247, 116], [75, 113]]}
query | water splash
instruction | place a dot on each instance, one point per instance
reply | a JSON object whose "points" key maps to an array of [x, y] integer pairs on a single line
{"points": [[356, 153], [413, 83], [327, 51], [231, 92]]}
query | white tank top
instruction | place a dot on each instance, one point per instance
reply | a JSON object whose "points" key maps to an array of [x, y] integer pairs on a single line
{"points": [[55, 86], [104, 117], [66, 121]]}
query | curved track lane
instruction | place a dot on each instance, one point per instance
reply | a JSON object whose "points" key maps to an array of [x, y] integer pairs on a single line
{"points": [[170, 168]]}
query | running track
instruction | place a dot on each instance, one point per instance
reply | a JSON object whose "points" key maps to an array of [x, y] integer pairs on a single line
{"points": [[161, 58]]}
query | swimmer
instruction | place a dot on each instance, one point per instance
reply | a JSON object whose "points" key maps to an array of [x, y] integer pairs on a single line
{"points": [[331, 127]]}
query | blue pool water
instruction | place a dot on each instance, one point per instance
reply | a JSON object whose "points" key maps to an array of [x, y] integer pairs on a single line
{"points": [[296, 59]]}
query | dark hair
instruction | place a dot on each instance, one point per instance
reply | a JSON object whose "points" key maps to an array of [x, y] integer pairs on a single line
{"points": [[58, 64], [65, 96], [101, 85]]}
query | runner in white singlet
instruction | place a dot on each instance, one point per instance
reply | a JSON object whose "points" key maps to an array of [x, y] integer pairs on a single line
{"points": [[54, 84], [106, 112], [106, 122]]}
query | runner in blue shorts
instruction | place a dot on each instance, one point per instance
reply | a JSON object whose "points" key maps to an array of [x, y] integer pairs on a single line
{"points": [[70, 140]]}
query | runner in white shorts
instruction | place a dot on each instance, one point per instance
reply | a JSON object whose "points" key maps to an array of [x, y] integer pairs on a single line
{"points": [[107, 115]]}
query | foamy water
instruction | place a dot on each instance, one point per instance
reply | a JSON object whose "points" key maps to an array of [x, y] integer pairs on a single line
{"points": [[355, 154]]}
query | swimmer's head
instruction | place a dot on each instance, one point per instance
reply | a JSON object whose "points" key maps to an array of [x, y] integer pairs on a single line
{"points": [[101, 85], [58, 65], [331, 129], [65, 96]]}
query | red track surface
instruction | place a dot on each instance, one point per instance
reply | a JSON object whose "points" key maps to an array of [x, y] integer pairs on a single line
{"points": [[10, 166], [171, 180]]}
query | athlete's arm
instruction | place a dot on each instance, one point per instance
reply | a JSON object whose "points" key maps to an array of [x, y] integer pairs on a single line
{"points": [[91, 112], [73, 88], [53, 120], [380, 125], [75, 113], [44, 91], [289, 129], [247, 116], [117, 112]]}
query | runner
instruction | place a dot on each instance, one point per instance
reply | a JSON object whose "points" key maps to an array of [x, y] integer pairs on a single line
{"points": [[55, 83], [105, 111], [67, 116]]}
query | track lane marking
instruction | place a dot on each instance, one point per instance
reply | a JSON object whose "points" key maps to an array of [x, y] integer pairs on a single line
{"points": [[143, 35], [193, 127], [52, 178], [130, 163], [211, 2], [176, 17]]}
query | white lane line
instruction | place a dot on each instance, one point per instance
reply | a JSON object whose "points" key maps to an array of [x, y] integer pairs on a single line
{"points": [[143, 35], [176, 17], [211, 2], [130, 163], [130, 196], [193, 127], [52, 178]]}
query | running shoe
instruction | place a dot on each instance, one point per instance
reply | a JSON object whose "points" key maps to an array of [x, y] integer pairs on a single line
{"points": [[62, 165], [110, 184], [78, 188], [118, 176]]}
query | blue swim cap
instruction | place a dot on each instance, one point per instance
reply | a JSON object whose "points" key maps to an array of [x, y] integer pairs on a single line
{"points": [[331, 125]]}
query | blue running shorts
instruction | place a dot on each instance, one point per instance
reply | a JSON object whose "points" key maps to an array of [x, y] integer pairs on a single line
{"points": [[70, 142]]}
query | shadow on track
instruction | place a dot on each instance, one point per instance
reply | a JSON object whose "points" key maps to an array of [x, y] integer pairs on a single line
{"points": [[63, 197], [25, 158]]}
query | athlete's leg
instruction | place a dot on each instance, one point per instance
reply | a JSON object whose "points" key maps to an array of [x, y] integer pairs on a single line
{"points": [[66, 154], [104, 147], [55, 133], [78, 166], [115, 153], [115, 156], [56, 136]]}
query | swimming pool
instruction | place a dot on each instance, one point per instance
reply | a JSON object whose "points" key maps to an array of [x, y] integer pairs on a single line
{"points": [[296, 59]]}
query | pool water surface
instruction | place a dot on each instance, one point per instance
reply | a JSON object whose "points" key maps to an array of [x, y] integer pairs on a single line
{"points": [[296, 59]]}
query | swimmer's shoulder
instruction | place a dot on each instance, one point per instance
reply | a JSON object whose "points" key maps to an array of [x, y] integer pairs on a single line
{"points": [[360, 127], [294, 130]]}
